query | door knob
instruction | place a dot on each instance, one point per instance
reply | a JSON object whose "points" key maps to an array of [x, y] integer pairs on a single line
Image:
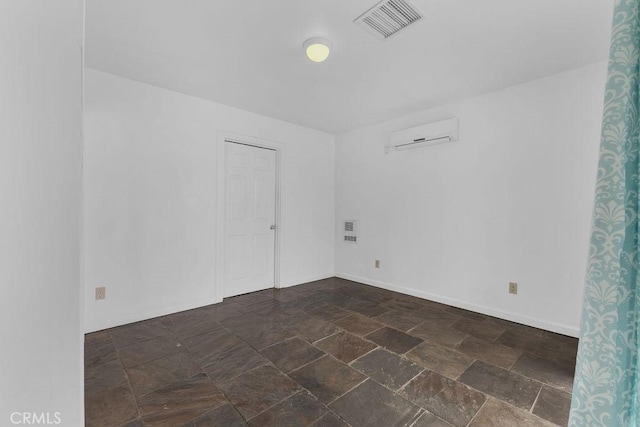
{"points": [[273, 227]]}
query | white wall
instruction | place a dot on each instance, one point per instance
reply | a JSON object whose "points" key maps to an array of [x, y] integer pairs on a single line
{"points": [[150, 198], [41, 367], [511, 201]]}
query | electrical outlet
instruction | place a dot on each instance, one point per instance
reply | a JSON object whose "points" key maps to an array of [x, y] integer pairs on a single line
{"points": [[513, 288], [101, 293], [377, 263]]}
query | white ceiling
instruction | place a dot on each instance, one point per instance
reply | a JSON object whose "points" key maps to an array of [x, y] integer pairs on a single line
{"points": [[248, 53]]}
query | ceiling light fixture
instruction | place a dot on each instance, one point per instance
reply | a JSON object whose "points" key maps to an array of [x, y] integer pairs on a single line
{"points": [[317, 49]]}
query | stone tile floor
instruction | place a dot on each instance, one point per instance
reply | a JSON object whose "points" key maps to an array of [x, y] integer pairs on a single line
{"points": [[327, 353]]}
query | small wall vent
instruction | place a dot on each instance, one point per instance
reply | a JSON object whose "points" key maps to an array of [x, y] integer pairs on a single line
{"points": [[350, 231], [388, 17]]}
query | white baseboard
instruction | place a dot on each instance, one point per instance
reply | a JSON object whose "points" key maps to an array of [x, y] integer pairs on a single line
{"points": [[513, 317], [144, 315], [150, 314], [305, 279]]}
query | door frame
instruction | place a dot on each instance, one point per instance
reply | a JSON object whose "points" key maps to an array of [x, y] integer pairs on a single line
{"points": [[225, 137]]}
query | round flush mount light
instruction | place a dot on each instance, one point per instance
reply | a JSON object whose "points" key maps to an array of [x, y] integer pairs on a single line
{"points": [[317, 49]]}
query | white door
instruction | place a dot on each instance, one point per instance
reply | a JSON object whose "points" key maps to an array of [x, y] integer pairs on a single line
{"points": [[250, 218]]}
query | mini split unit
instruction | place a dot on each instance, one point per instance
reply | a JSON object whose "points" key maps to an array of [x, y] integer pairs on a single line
{"points": [[424, 135]]}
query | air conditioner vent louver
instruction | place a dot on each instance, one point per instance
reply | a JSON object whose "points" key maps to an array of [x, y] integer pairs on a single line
{"points": [[388, 17], [350, 231]]}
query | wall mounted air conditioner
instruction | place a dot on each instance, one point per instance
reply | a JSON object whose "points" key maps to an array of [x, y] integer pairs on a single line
{"points": [[424, 135]]}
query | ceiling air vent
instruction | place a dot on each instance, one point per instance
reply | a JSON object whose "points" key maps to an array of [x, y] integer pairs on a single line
{"points": [[388, 17]]}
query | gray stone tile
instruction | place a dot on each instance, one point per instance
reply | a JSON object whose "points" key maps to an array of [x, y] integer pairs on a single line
{"points": [[135, 423], [203, 346], [448, 399], [163, 358], [246, 321], [500, 414], [438, 334], [315, 285], [149, 350], [429, 420], [99, 349], [371, 404], [358, 324], [223, 311], [502, 384], [328, 312], [437, 318], [443, 360], [399, 319], [367, 308], [394, 340], [553, 405], [345, 346], [105, 376], [567, 356], [134, 333], [160, 373], [110, 407], [287, 295], [261, 336], [530, 342], [233, 360], [404, 303], [268, 307], [190, 323], [297, 411], [489, 352], [563, 342], [466, 313], [559, 375], [518, 327], [180, 402], [255, 391], [223, 416], [484, 329], [310, 328], [327, 378], [252, 298], [433, 306], [387, 368], [330, 420], [280, 312], [291, 354]]}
